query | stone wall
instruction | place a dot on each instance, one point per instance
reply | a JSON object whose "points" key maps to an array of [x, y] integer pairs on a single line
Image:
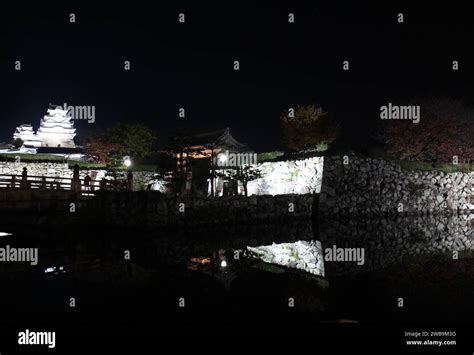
{"points": [[36, 169], [288, 177], [278, 178], [149, 209], [372, 186], [140, 182]]}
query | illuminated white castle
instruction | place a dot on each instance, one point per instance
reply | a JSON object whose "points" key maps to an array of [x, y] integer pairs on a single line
{"points": [[27, 135], [56, 130]]}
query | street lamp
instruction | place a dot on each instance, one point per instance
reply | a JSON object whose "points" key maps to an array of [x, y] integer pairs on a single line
{"points": [[127, 161]]}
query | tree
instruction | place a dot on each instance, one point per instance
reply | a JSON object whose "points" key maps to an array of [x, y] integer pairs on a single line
{"points": [[135, 140], [444, 131], [307, 127], [98, 146], [17, 142], [244, 174]]}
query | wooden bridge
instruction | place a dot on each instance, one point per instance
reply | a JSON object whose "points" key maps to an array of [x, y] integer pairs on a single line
{"points": [[86, 186]]}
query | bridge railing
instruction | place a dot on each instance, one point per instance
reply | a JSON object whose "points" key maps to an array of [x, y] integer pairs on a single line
{"points": [[45, 183], [83, 186]]}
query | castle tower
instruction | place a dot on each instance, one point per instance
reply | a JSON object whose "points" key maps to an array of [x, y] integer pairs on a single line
{"points": [[27, 135], [56, 129]]}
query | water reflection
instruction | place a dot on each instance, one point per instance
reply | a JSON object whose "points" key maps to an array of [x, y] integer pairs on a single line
{"points": [[302, 255], [55, 272], [299, 246], [386, 241], [345, 245], [55, 269]]}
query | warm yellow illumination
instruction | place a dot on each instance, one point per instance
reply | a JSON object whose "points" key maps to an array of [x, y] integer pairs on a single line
{"points": [[203, 261]]}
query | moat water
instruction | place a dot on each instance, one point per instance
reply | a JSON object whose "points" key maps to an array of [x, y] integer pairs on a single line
{"points": [[170, 278]]}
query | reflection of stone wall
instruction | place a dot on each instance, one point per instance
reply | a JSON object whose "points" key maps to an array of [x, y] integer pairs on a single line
{"points": [[386, 241], [141, 178], [180, 244], [288, 177], [368, 186], [302, 255]]}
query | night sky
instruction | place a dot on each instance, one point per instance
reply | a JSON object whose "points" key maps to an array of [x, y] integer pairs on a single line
{"points": [[191, 65]]}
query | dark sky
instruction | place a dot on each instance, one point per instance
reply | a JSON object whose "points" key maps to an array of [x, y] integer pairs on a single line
{"points": [[191, 65]]}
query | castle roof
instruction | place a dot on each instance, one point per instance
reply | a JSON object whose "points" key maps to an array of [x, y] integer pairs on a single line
{"points": [[219, 138]]}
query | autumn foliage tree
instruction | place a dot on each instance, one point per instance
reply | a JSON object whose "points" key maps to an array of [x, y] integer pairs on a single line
{"points": [[306, 127], [99, 147], [134, 140], [445, 130]]}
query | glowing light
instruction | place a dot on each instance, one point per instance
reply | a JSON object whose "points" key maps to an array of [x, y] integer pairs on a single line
{"points": [[3, 234], [222, 158], [223, 263], [127, 161], [203, 261], [55, 269]]}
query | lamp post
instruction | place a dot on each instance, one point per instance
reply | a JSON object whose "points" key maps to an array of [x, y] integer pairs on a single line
{"points": [[212, 170], [128, 163]]}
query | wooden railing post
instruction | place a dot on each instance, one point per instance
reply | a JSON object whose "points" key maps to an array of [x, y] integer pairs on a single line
{"points": [[103, 184], [76, 182], [24, 178], [130, 180]]}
